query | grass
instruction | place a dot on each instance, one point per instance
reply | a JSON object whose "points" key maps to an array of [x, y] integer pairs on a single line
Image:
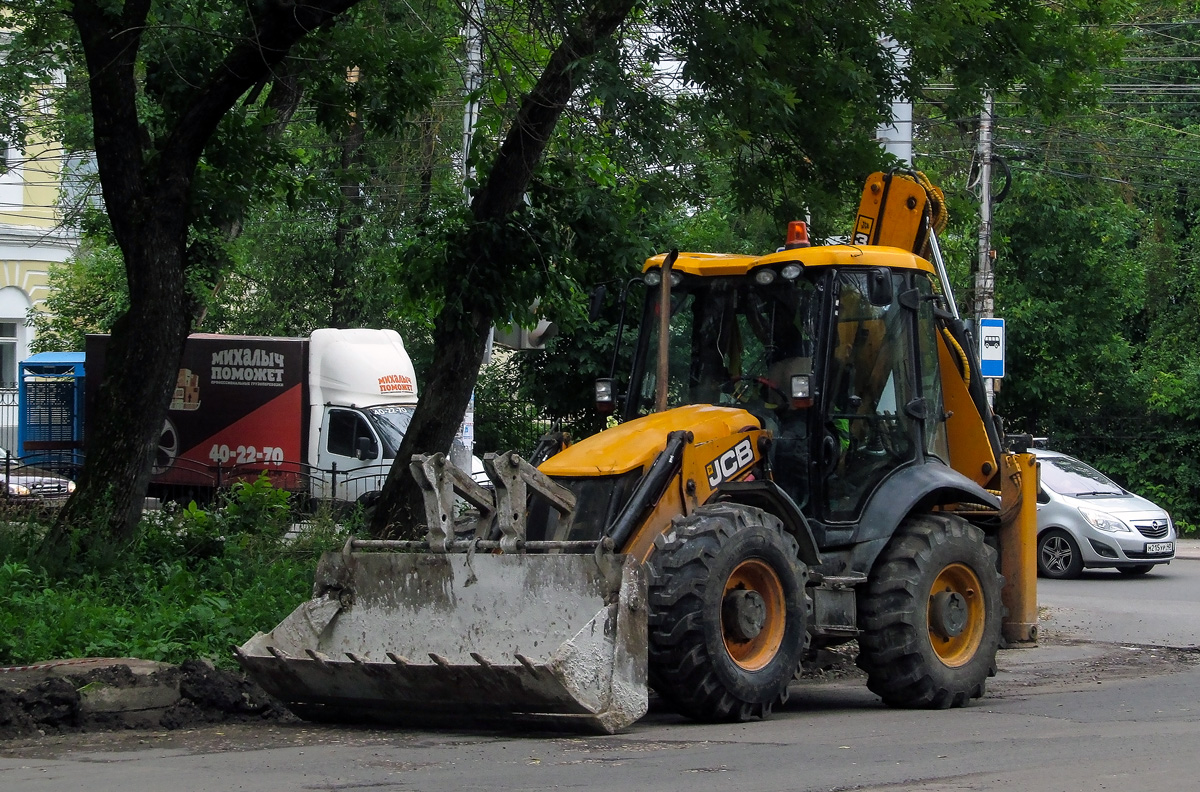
{"points": [[194, 583]]}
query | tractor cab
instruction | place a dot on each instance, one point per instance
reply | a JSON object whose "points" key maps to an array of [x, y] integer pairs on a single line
{"points": [[833, 349]]}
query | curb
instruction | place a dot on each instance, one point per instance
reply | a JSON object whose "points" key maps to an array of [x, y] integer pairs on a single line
{"points": [[1187, 549], [123, 692]]}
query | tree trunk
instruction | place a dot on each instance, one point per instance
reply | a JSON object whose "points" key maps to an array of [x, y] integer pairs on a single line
{"points": [[459, 344], [147, 186], [126, 423]]}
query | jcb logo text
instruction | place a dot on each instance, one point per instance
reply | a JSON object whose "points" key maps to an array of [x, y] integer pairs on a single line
{"points": [[730, 463]]}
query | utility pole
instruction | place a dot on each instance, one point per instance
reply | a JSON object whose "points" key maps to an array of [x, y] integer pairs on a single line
{"points": [[985, 278], [461, 452], [472, 80], [896, 137]]}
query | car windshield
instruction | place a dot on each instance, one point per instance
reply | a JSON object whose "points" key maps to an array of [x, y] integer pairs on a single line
{"points": [[1068, 476], [391, 421]]}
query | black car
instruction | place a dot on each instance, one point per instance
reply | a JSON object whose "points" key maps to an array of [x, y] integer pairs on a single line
{"points": [[32, 486]]}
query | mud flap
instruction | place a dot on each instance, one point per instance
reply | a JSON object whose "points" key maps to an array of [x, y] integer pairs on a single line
{"points": [[432, 639]]}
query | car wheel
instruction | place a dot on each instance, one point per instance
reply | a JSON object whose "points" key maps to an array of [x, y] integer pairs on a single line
{"points": [[1136, 569], [1058, 555]]}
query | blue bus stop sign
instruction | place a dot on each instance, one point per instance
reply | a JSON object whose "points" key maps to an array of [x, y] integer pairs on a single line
{"points": [[991, 347]]}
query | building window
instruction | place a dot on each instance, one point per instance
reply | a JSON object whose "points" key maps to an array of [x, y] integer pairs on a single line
{"points": [[12, 180], [8, 353]]}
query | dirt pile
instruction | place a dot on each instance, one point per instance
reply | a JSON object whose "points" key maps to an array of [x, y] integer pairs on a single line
{"points": [[209, 695], [56, 698]]}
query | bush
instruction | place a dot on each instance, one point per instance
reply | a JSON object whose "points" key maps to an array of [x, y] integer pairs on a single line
{"points": [[194, 583]]}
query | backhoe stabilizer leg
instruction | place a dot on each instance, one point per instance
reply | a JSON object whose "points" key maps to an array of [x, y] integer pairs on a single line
{"points": [[1018, 548]]}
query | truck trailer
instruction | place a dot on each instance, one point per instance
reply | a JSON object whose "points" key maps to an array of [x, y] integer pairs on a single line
{"points": [[322, 415]]}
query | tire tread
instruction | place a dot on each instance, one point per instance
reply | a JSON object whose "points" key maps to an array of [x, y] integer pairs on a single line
{"points": [[894, 647]]}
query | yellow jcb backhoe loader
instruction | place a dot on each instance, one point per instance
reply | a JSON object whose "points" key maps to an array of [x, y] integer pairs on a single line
{"points": [[804, 459]]}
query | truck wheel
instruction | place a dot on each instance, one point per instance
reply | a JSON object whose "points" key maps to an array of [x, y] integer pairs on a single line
{"points": [[728, 613], [168, 449], [930, 617]]}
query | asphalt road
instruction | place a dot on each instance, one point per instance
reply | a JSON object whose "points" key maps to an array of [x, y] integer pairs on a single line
{"points": [[1135, 733], [1070, 715], [1160, 608]]}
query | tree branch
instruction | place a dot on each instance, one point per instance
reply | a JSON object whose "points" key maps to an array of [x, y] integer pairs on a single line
{"points": [[275, 32], [531, 129], [110, 47]]}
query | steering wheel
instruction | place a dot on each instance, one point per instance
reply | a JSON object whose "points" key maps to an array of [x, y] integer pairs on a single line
{"points": [[742, 389]]}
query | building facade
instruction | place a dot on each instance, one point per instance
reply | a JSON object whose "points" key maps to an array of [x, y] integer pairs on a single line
{"points": [[32, 239]]}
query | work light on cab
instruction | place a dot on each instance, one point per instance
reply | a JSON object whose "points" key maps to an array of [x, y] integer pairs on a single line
{"points": [[654, 277], [801, 391], [606, 401]]}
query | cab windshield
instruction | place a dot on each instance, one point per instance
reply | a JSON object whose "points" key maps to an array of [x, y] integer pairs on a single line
{"points": [[391, 422], [732, 341]]}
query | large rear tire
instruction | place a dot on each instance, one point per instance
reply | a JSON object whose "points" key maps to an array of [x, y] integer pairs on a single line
{"points": [[728, 613], [931, 615]]}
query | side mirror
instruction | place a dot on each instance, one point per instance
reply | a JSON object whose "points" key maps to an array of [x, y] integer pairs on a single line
{"points": [[364, 448], [596, 302], [880, 291], [801, 391]]}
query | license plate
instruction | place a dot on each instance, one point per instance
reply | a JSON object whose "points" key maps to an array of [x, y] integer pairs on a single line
{"points": [[1160, 547]]}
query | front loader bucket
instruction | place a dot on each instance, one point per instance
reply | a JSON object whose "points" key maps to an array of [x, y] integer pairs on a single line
{"points": [[463, 639]]}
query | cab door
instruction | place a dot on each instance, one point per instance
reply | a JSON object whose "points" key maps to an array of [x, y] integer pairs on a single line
{"points": [[867, 431], [348, 457]]}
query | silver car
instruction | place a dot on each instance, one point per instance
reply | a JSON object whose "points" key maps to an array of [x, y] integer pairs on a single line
{"points": [[1087, 521]]}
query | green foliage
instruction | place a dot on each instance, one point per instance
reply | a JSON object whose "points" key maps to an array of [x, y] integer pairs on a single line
{"points": [[341, 207], [87, 294], [1069, 280], [1149, 455], [257, 508], [1097, 271], [192, 584]]}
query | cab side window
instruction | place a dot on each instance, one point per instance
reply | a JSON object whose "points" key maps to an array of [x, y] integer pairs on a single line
{"points": [[348, 432]]}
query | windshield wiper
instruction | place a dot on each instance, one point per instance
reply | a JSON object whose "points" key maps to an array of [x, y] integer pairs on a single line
{"points": [[1097, 492]]}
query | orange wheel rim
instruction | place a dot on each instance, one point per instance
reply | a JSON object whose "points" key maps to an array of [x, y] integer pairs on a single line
{"points": [[957, 615], [753, 653]]}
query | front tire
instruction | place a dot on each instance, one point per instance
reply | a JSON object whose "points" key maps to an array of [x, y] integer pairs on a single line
{"points": [[1058, 555], [728, 613], [930, 617]]}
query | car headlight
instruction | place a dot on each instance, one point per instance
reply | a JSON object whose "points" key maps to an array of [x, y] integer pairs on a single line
{"points": [[70, 486], [1103, 522], [18, 490]]}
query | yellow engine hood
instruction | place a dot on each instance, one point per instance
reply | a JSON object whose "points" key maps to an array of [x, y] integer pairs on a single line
{"points": [[636, 443]]}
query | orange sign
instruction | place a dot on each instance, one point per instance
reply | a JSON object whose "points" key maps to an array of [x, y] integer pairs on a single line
{"points": [[396, 383]]}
